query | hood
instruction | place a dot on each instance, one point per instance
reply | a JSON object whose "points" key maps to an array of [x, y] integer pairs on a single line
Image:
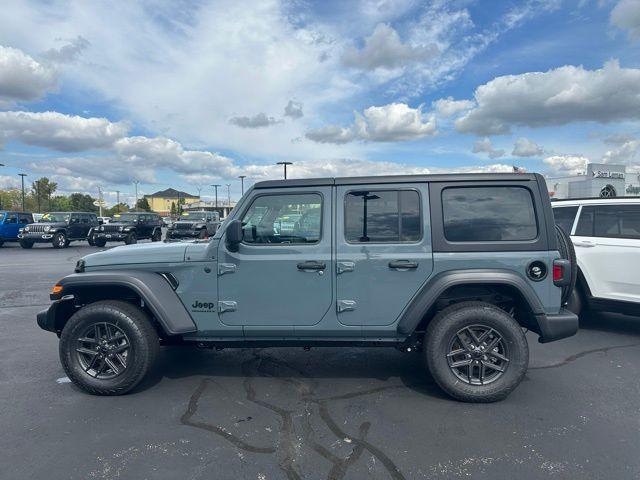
{"points": [[51, 224], [139, 253]]}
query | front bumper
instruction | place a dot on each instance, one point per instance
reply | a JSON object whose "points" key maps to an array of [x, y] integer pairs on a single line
{"points": [[59, 308], [36, 237], [111, 237], [557, 326], [183, 233]]}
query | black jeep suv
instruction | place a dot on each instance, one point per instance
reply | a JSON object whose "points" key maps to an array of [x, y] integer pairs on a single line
{"points": [[128, 228], [194, 225], [58, 228]]}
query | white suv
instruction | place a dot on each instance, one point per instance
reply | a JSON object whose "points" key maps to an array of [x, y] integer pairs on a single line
{"points": [[606, 236]]}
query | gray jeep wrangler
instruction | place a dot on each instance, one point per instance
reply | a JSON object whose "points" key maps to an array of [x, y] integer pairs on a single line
{"points": [[454, 266]]}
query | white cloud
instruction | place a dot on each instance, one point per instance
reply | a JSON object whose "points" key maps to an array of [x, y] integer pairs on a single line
{"points": [[626, 15], [567, 164], [9, 182], [557, 97], [448, 107], [256, 121], [384, 49], [484, 146], [293, 109], [22, 79], [68, 52], [65, 133], [627, 153], [526, 148], [389, 123]]}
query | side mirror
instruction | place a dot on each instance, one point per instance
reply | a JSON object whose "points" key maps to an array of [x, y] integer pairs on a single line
{"points": [[233, 235]]}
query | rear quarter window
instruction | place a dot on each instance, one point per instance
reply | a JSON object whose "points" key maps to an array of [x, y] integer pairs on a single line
{"points": [[488, 214]]}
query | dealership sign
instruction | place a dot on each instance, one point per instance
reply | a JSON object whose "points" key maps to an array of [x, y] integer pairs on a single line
{"points": [[606, 174]]}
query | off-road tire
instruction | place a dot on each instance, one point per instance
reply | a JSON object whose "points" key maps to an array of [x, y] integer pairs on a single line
{"points": [[59, 240], [100, 242], [131, 239], [443, 328], [157, 236], [26, 244], [575, 303], [565, 247], [143, 341], [91, 240], [1, 243]]}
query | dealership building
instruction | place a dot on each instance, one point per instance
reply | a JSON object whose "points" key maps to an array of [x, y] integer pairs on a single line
{"points": [[600, 180]]}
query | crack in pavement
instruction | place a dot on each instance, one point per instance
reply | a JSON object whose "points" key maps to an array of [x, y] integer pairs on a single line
{"points": [[285, 448], [576, 356]]}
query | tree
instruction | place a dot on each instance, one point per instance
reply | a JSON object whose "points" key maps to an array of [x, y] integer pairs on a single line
{"points": [[173, 209], [81, 202], [143, 205], [42, 189], [118, 208]]}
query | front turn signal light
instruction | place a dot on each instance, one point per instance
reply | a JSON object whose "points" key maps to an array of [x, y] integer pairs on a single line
{"points": [[57, 289]]}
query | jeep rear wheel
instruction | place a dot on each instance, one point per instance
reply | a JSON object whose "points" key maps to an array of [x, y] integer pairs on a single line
{"points": [[476, 352], [107, 347], [131, 239], [60, 240]]}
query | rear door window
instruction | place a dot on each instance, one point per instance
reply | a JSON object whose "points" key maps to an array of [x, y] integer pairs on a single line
{"points": [[382, 216], [564, 217], [488, 214], [609, 221]]}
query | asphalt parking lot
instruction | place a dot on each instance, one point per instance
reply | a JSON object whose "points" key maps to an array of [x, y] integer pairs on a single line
{"points": [[324, 414]]}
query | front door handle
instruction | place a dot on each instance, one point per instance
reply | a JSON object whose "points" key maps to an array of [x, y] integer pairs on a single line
{"points": [[312, 265], [403, 264]]}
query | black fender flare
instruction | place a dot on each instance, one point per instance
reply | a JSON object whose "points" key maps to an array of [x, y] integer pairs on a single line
{"points": [[431, 291], [154, 289]]}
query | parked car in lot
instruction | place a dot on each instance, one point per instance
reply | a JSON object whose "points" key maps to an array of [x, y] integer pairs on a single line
{"points": [[194, 225], [129, 228], [606, 236], [11, 223], [453, 265], [104, 220], [58, 228]]}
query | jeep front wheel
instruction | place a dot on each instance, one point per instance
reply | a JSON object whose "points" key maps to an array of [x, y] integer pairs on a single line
{"points": [[476, 352], [157, 236], [131, 239], [100, 242], [60, 240], [107, 347], [26, 244]]}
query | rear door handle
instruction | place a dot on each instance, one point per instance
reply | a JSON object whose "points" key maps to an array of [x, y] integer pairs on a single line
{"points": [[403, 264], [312, 265], [584, 243]]}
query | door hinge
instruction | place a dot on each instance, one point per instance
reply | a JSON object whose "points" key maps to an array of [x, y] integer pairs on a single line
{"points": [[227, 306], [346, 305], [226, 268], [345, 267]]}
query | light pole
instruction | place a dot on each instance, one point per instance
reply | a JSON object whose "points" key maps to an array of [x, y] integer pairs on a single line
{"points": [[136, 182], [284, 164], [22, 175], [118, 201], [216, 188], [1, 165], [229, 194], [242, 177]]}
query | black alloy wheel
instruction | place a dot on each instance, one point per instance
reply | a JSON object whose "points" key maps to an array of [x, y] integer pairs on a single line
{"points": [[477, 355], [103, 350]]}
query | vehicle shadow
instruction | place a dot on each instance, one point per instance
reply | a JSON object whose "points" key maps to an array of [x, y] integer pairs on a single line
{"points": [[610, 323], [382, 367]]}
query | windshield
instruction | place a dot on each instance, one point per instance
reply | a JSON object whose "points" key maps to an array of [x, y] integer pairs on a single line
{"points": [[55, 217], [125, 217]]}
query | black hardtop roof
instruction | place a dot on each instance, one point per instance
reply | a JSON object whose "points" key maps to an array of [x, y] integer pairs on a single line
{"points": [[382, 179], [134, 213], [64, 213]]}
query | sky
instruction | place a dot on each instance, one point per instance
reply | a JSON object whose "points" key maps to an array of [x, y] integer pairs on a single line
{"points": [[187, 94]]}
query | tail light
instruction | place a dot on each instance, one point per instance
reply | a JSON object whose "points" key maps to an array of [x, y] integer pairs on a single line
{"points": [[561, 272]]}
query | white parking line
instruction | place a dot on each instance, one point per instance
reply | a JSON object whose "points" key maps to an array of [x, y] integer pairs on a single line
{"points": [[62, 380]]}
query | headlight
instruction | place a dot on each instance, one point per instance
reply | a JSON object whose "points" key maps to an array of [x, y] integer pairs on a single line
{"points": [[100, 228], [26, 229], [47, 228], [121, 229]]}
